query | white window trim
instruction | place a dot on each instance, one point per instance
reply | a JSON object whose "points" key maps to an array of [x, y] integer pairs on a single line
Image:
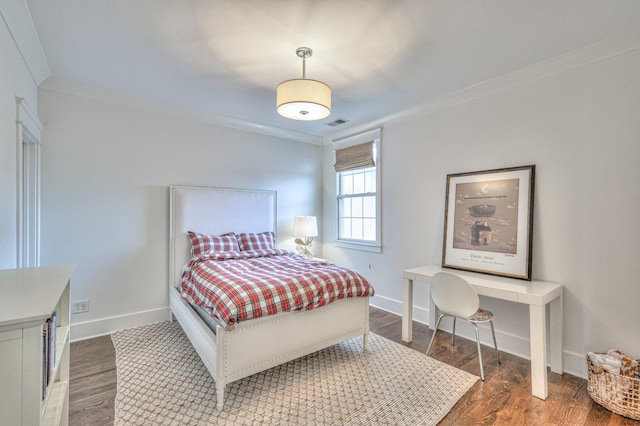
{"points": [[28, 166], [376, 247]]}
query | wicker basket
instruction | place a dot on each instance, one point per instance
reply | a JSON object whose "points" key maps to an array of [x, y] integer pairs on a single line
{"points": [[620, 394]]}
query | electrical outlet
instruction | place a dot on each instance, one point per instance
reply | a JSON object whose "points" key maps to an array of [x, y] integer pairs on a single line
{"points": [[80, 306]]}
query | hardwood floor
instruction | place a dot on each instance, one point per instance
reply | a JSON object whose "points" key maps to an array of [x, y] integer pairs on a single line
{"points": [[504, 398], [92, 388]]}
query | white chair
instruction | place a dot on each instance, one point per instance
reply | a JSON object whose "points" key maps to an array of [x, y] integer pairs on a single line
{"points": [[455, 298]]}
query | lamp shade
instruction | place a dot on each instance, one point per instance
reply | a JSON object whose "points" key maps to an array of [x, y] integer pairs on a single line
{"points": [[305, 226], [303, 99]]}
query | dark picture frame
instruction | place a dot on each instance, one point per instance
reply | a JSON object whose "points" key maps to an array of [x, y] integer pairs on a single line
{"points": [[488, 221]]}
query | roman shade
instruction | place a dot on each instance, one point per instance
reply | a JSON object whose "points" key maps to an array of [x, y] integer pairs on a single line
{"points": [[355, 157]]}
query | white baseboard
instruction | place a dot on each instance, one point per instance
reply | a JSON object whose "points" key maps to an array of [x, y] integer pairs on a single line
{"points": [[573, 363], [420, 315], [101, 327]]}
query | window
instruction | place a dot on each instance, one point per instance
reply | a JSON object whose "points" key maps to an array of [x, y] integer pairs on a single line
{"points": [[357, 188], [357, 205]]}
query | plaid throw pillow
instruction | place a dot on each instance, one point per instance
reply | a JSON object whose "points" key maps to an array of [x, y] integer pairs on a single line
{"points": [[260, 241], [202, 244]]}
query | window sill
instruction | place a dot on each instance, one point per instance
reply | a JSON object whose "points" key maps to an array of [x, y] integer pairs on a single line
{"points": [[371, 248]]}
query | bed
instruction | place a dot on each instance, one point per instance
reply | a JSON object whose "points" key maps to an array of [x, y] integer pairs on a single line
{"points": [[230, 355]]}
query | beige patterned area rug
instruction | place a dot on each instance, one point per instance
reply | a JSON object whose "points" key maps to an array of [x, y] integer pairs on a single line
{"points": [[161, 380]]}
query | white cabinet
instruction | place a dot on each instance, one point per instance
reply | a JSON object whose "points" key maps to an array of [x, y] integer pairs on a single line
{"points": [[28, 297]]}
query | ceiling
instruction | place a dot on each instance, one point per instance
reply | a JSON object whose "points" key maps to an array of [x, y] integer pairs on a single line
{"points": [[224, 58]]}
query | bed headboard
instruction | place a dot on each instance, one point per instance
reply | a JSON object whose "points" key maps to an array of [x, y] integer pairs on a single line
{"points": [[214, 211]]}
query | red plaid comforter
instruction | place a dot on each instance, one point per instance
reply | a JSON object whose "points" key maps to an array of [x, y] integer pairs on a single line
{"points": [[236, 286]]}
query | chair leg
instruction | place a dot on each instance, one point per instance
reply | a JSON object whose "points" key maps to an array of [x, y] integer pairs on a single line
{"points": [[435, 330], [453, 333], [479, 352], [495, 343]]}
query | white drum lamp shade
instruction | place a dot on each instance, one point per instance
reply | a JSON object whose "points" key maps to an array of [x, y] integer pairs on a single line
{"points": [[301, 98]]}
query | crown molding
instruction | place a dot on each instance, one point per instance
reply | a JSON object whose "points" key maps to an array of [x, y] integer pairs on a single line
{"points": [[590, 54], [119, 99], [17, 18]]}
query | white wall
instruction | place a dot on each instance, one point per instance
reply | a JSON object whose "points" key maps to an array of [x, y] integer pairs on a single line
{"points": [[106, 171], [15, 81], [581, 128]]}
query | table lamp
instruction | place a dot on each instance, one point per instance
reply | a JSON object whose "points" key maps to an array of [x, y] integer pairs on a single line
{"points": [[304, 229]]}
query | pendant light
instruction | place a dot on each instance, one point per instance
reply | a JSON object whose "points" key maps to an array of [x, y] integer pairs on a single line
{"points": [[303, 99]]}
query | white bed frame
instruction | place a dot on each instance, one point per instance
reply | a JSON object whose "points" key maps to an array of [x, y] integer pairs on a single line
{"points": [[259, 344]]}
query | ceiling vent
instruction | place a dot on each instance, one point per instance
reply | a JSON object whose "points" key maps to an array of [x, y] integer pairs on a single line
{"points": [[337, 122]]}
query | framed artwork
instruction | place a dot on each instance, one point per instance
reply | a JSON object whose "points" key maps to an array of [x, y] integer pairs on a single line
{"points": [[488, 222]]}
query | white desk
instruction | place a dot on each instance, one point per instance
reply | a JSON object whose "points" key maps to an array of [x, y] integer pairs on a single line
{"points": [[536, 294]]}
